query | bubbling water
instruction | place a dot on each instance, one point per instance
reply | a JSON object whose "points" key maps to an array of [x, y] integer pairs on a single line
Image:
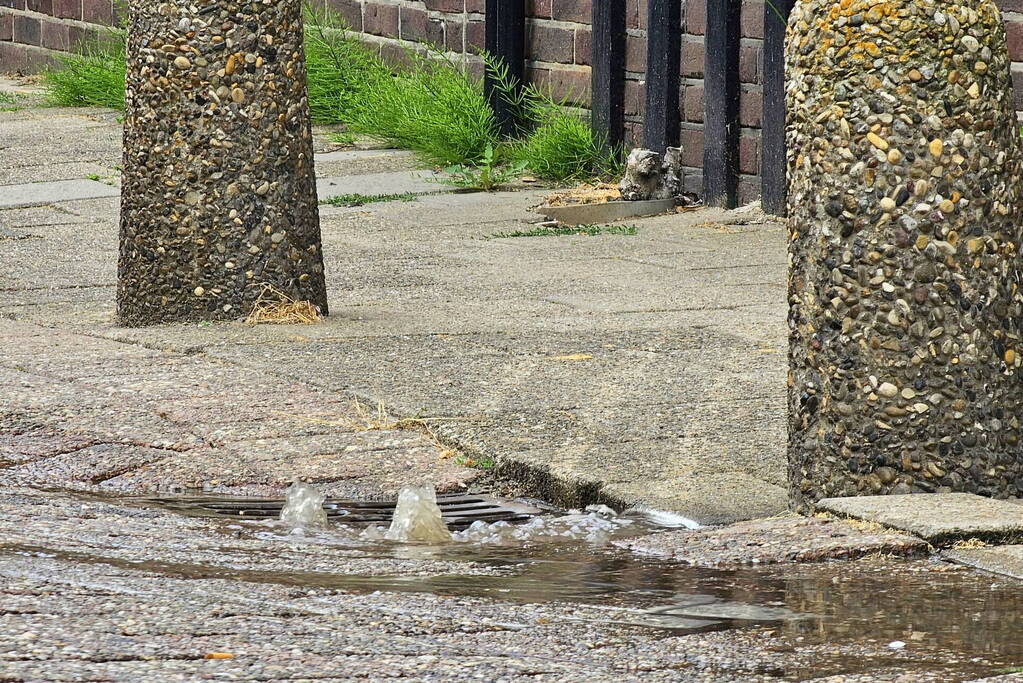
{"points": [[417, 517], [303, 507]]}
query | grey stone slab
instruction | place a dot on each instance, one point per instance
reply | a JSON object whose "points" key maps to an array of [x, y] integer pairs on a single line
{"points": [[1006, 560], [360, 154], [940, 518], [606, 212], [35, 194], [398, 182]]}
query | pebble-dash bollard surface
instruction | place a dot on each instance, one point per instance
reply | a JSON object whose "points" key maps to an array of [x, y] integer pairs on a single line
{"points": [[219, 195], [904, 228]]}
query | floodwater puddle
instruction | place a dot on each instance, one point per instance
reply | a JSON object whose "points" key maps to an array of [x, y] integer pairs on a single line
{"points": [[568, 558]]}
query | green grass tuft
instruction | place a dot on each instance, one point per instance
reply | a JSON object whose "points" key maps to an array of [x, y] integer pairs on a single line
{"points": [[91, 77], [360, 199], [590, 230], [340, 71], [563, 147], [9, 102], [432, 106]]}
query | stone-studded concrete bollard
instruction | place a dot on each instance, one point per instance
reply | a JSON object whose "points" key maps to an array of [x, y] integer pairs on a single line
{"points": [[904, 229], [219, 196]]}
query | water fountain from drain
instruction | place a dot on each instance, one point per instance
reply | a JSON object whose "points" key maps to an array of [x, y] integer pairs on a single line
{"points": [[418, 519]]}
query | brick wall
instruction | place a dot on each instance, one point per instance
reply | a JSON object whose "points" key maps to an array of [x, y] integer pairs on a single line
{"points": [[558, 52], [31, 31]]}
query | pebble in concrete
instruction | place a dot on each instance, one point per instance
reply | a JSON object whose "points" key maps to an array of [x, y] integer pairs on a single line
{"points": [[904, 226], [219, 196]]}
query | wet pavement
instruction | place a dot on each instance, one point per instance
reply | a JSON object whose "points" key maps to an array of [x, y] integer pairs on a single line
{"points": [[93, 590], [437, 369]]}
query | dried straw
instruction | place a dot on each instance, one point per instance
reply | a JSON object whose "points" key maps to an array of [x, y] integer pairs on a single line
{"points": [[274, 307]]}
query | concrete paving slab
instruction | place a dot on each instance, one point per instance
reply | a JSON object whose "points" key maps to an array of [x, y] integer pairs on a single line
{"points": [[666, 347], [1006, 560], [398, 182], [940, 518], [771, 541], [36, 194], [360, 154]]}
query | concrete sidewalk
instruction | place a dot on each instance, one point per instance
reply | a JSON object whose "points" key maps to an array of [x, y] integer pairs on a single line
{"points": [[626, 369]]}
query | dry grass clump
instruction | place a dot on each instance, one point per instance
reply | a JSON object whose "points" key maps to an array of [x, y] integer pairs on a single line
{"points": [[969, 544], [274, 307], [600, 193]]}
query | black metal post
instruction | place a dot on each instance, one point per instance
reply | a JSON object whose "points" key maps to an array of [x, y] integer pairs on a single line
{"points": [[773, 183], [608, 72], [721, 104], [505, 40], [661, 117]]}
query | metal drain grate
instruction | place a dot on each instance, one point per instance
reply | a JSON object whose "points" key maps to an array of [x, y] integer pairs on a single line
{"points": [[459, 511]]}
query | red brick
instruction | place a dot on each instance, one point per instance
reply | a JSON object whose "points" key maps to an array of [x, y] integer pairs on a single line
{"points": [[635, 93], [445, 5], [749, 64], [477, 6], [749, 189], [379, 20], [81, 36], [692, 103], [67, 9], [564, 84], [635, 14], [541, 9], [580, 11], [583, 46], [749, 152], [98, 12], [417, 25], [695, 18], [692, 147], [692, 59], [454, 40], [752, 19], [548, 43], [635, 53], [6, 26], [26, 30], [55, 35], [475, 35], [750, 105], [350, 11], [13, 4], [1014, 37], [41, 6]]}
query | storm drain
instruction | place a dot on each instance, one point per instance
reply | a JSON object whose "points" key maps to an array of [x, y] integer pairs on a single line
{"points": [[458, 511]]}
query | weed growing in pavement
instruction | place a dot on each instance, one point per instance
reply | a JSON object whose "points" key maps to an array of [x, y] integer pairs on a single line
{"points": [[590, 230], [343, 138], [360, 199], [487, 175], [9, 102]]}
